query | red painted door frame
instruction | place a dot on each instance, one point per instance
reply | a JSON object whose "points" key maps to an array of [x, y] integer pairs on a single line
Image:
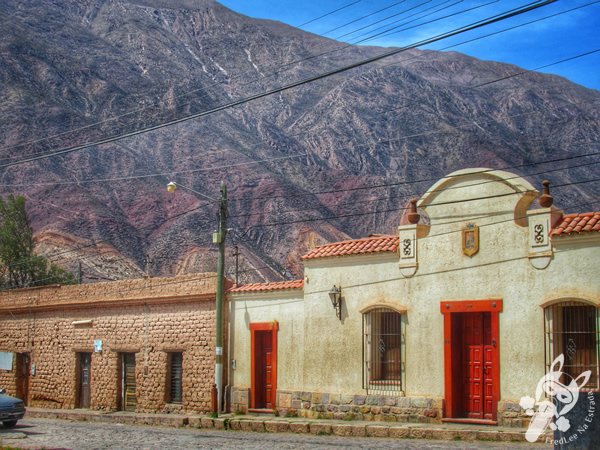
{"points": [[448, 308], [273, 327]]}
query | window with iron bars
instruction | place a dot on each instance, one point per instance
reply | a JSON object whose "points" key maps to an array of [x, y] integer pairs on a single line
{"points": [[175, 377], [383, 352], [573, 329]]}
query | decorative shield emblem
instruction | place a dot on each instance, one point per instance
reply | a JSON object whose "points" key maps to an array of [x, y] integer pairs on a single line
{"points": [[470, 239]]}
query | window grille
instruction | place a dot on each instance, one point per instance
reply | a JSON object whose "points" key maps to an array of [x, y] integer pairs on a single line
{"points": [[175, 377], [383, 352], [573, 329]]}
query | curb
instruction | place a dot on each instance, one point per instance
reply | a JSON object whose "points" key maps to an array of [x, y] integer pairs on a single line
{"points": [[298, 426]]}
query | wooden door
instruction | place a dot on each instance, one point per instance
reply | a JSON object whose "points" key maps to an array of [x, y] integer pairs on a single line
{"points": [[23, 368], [128, 382], [264, 370], [477, 365], [84, 378]]}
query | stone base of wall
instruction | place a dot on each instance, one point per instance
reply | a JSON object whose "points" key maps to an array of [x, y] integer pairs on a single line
{"points": [[510, 414], [380, 408], [240, 400]]}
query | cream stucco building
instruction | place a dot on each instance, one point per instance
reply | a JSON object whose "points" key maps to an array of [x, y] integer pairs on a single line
{"points": [[456, 317]]}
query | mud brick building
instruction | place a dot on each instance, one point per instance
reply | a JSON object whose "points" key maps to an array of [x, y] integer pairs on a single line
{"points": [[144, 345]]}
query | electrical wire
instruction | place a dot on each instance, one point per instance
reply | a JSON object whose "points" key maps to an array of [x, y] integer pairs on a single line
{"points": [[405, 197], [457, 31], [344, 216]]}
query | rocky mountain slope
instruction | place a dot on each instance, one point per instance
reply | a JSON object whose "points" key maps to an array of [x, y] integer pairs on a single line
{"points": [[328, 160]]}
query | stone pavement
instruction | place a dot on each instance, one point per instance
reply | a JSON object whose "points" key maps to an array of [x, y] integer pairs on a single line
{"points": [[272, 424]]}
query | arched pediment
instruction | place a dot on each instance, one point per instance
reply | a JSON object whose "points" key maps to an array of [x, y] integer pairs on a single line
{"points": [[471, 182]]}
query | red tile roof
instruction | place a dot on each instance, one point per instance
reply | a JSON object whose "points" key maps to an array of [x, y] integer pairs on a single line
{"points": [[578, 223], [265, 287], [372, 244]]}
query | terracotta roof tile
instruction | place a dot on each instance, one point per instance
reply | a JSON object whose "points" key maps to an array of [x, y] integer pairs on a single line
{"points": [[578, 223], [371, 244], [266, 287]]}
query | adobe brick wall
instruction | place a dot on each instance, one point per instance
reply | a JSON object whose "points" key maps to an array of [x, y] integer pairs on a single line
{"points": [[149, 317]]}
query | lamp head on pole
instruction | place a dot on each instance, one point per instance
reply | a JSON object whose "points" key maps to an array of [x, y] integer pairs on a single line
{"points": [[171, 187], [335, 295]]}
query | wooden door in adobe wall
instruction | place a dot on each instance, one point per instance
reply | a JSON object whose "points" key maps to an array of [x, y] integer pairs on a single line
{"points": [[471, 360], [477, 365], [264, 365], [127, 382], [23, 370], [84, 377]]}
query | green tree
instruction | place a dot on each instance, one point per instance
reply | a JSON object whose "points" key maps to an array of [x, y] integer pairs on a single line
{"points": [[19, 266]]}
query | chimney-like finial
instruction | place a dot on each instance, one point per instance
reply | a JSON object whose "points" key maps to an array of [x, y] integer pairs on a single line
{"points": [[546, 199], [413, 215]]}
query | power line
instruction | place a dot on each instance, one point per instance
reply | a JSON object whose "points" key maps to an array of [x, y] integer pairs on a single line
{"points": [[311, 57], [457, 31], [328, 14], [430, 179], [361, 18], [343, 216], [146, 107], [406, 197], [304, 59], [267, 160], [522, 72]]}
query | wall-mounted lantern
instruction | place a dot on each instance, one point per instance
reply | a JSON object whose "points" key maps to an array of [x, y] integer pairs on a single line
{"points": [[335, 294]]}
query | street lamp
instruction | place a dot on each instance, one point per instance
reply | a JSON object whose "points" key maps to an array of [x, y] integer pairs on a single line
{"points": [[218, 238]]}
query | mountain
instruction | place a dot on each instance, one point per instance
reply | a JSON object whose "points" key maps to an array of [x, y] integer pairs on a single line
{"points": [[327, 160]]}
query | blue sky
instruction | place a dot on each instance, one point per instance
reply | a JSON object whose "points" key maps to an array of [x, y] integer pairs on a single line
{"points": [[530, 46]]}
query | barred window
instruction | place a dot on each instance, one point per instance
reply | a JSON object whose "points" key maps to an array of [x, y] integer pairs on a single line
{"points": [[383, 354], [175, 377], [572, 328]]}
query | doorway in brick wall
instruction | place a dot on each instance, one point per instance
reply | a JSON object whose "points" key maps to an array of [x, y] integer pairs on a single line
{"points": [[23, 369], [127, 382], [84, 377]]}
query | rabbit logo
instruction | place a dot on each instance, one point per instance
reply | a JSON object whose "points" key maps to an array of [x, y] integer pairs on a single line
{"points": [[565, 397]]}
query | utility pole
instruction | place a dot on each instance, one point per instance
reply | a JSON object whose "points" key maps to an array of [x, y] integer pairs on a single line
{"points": [[79, 273], [147, 262], [219, 238], [237, 260]]}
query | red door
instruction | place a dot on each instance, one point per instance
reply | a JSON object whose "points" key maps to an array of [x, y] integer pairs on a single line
{"points": [[264, 370], [477, 367], [471, 359], [263, 392]]}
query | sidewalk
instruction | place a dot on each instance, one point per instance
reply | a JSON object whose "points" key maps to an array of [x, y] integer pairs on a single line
{"points": [[272, 424]]}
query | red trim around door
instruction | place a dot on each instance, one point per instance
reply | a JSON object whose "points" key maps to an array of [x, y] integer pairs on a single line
{"points": [[263, 326], [448, 308]]}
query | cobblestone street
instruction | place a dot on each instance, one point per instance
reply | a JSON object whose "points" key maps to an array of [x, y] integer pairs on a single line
{"points": [[60, 434]]}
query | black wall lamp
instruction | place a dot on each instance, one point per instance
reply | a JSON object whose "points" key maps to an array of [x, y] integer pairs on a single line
{"points": [[335, 294]]}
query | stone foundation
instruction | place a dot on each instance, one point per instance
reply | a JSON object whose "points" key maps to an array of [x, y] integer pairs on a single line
{"points": [[510, 414], [380, 408], [240, 400], [318, 405]]}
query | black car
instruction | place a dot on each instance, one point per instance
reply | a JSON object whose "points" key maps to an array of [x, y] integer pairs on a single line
{"points": [[11, 409]]}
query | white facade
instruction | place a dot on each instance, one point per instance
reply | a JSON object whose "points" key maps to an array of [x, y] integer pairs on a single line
{"points": [[518, 269]]}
